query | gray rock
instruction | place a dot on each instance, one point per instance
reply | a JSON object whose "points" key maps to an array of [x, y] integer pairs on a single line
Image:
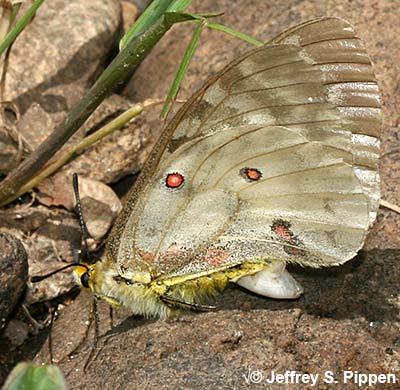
{"points": [[56, 58], [346, 320], [13, 274]]}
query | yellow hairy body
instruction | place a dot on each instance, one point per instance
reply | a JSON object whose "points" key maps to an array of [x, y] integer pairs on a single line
{"points": [[146, 298]]}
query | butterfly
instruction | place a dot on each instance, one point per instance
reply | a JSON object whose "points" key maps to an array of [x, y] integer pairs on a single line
{"points": [[273, 161]]}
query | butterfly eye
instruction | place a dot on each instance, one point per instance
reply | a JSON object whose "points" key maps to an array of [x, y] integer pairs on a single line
{"points": [[251, 174], [85, 279], [174, 180]]}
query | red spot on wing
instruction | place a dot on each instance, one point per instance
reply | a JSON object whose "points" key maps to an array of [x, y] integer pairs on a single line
{"points": [[251, 174], [283, 232], [174, 180], [282, 229], [216, 256]]}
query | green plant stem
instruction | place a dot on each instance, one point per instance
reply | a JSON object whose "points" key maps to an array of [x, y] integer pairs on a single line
{"points": [[20, 25], [150, 15], [237, 34], [7, 19], [179, 5], [115, 73], [14, 12], [145, 20], [182, 69], [65, 155]]}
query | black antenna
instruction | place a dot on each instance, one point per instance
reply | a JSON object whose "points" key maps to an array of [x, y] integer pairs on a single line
{"points": [[84, 231], [36, 279], [84, 237]]}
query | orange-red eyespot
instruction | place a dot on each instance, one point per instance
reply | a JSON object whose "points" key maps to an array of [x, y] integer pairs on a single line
{"points": [[251, 174], [174, 180]]}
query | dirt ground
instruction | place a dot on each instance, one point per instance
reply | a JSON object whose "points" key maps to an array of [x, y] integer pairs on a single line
{"points": [[346, 320]]}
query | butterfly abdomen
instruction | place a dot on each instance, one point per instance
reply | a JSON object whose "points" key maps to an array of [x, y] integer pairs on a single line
{"points": [[163, 298]]}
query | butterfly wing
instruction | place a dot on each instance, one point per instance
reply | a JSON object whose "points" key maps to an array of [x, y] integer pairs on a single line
{"points": [[279, 157]]}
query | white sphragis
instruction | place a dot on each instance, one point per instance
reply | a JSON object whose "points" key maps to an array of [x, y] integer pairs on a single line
{"points": [[274, 282]]}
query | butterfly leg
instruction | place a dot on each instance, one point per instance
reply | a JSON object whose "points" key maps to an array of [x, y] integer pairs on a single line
{"points": [[273, 282], [189, 305]]}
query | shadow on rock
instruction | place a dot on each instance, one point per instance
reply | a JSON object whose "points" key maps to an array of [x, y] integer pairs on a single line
{"points": [[364, 287]]}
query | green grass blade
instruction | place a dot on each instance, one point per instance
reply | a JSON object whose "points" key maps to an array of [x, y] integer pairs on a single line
{"points": [[179, 5], [7, 18], [182, 69], [20, 25], [150, 15], [237, 34]]}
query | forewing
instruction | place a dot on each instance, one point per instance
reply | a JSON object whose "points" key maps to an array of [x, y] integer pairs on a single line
{"points": [[305, 112]]}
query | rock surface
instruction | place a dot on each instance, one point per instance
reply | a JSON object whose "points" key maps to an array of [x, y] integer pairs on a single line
{"points": [[69, 43], [348, 318], [121, 153], [43, 94], [51, 238], [13, 274]]}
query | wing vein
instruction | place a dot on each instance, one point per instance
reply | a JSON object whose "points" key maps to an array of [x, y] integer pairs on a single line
{"points": [[272, 88], [261, 71], [330, 40], [267, 107], [252, 185]]}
